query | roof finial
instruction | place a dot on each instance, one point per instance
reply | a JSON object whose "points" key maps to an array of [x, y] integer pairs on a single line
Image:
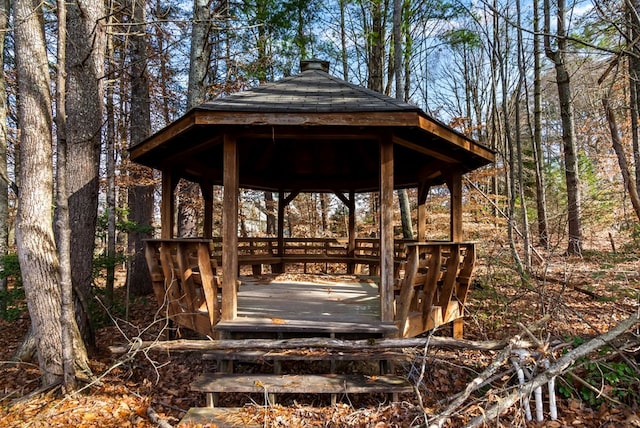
{"points": [[314, 64]]}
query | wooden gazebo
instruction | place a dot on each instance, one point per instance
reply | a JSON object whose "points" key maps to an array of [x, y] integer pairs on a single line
{"points": [[311, 132]]}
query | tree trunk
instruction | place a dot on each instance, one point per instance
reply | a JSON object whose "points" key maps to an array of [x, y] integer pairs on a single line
{"points": [[4, 177], [541, 196], [111, 172], [343, 41], [403, 199], [199, 57], [568, 133], [270, 207], [376, 43], [622, 159], [34, 229], [63, 231], [140, 194], [518, 138], [633, 24], [84, 67]]}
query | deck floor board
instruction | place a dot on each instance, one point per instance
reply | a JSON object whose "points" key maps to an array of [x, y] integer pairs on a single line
{"points": [[322, 305]]}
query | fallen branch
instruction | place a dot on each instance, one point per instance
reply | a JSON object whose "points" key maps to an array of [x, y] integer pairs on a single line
{"points": [[566, 283], [378, 345], [556, 369], [439, 420], [156, 419]]}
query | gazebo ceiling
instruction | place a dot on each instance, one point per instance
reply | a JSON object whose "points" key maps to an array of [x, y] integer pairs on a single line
{"points": [[310, 132]]}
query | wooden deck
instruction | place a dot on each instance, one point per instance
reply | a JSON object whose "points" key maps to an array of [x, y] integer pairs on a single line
{"points": [[343, 304], [430, 285]]}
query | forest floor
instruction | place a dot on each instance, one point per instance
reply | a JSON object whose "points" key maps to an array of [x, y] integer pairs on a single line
{"points": [[583, 297]]}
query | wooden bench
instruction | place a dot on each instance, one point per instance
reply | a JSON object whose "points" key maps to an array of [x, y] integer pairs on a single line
{"points": [[258, 252]]}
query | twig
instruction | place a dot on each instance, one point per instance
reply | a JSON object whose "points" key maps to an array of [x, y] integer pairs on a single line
{"points": [[156, 419], [594, 389], [439, 421]]}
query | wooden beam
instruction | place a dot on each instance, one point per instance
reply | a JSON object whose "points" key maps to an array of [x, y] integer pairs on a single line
{"points": [[230, 229], [171, 131], [310, 119], [167, 204], [433, 127], [424, 150], [386, 229], [454, 183]]}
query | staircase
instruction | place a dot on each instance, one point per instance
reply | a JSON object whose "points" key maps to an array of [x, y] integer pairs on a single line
{"points": [[338, 383]]}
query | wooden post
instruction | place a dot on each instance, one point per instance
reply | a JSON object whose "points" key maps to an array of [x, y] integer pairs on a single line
{"points": [[454, 183], [207, 196], [230, 229], [386, 229], [167, 205], [423, 192]]}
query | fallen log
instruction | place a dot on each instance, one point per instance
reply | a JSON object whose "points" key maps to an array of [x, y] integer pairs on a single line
{"points": [[184, 345]]}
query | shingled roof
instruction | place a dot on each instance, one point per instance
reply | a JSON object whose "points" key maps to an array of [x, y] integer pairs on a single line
{"points": [[310, 132], [311, 91]]}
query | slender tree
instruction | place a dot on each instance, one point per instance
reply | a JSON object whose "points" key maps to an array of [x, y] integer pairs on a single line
{"points": [[110, 164], [632, 8], [538, 159], [4, 176], [34, 230], [84, 112], [140, 192], [199, 59], [563, 82], [403, 198]]}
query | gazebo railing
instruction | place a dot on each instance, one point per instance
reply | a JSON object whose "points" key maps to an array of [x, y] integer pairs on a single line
{"points": [[432, 279], [436, 282]]}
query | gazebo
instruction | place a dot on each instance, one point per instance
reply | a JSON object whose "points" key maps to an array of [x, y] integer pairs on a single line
{"points": [[311, 132]]}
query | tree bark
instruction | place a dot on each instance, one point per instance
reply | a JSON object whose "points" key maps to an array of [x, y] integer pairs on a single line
{"points": [[110, 143], [4, 177], [34, 229], [563, 81], [633, 25], [622, 159], [199, 57], [84, 68], [538, 158], [140, 194]]}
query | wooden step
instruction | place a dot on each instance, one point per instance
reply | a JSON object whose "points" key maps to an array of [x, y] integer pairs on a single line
{"points": [[219, 417], [301, 384]]}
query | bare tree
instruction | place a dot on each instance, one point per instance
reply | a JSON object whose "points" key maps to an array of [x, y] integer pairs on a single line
{"points": [[403, 198], [140, 193], [563, 81], [541, 197], [199, 58], [84, 112], [4, 176], [34, 231]]}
